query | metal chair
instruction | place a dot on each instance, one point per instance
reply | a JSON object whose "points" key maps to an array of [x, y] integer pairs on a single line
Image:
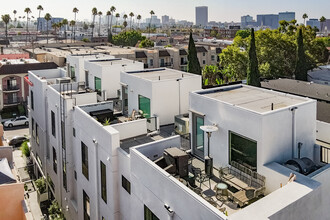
{"points": [[201, 177]]}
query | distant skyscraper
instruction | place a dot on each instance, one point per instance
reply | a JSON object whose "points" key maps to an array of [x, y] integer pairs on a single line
{"points": [[201, 16], [287, 16], [313, 22], [246, 20], [165, 20], [269, 20]]}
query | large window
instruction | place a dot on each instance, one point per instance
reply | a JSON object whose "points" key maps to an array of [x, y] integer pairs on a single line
{"points": [[32, 100], [198, 135], [73, 73], [54, 160], [148, 215], [144, 106], [97, 84], [243, 150], [103, 181], [84, 159], [126, 184], [87, 206], [53, 123]]}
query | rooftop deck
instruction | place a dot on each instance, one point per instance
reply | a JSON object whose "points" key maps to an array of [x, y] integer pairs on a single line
{"points": [[253, 99], [160, 74]]}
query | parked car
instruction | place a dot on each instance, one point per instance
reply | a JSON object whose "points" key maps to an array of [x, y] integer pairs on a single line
{"points": [[17, 140], [22, 120]]}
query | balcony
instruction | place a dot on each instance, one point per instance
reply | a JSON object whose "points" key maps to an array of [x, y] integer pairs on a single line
{"points": [[10, 88], [165, 64], [184, 63], [12, 101]]}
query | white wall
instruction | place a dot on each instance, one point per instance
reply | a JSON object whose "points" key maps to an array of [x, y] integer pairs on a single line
{"points": [[323, 131], [131, 128]]}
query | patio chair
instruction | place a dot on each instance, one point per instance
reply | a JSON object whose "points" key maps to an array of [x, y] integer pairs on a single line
{"points": [[211, 201], [222, 195], [201, 177], [197, 190]]}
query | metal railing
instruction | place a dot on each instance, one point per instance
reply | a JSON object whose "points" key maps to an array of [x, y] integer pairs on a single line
{"points": [[12, 101], [10, 87], [165, 64], [184, 62]]}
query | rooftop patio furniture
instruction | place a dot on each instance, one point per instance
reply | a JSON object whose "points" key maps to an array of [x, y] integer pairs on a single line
{"points": [[221, 190], [200, 176]]}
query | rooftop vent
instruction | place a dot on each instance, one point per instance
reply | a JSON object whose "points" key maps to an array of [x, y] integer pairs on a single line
{"points": [[304, 165]]}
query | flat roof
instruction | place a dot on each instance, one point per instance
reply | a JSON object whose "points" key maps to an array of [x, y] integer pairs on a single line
{"points": [[160, 74], [251, 98], [109, 62]]}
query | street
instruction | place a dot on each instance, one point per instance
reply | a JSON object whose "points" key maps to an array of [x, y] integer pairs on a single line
{"points": [[9, 133]]}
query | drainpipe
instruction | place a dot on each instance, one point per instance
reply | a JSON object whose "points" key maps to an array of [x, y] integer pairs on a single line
{"points": [[178, 80], [96, 178], [293, 110]]}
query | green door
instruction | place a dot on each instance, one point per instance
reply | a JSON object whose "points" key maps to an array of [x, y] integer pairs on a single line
{"points": [[144, 106], [97, 84]]}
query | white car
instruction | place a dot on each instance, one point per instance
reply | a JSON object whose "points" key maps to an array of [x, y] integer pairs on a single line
{"points": [[22, 120]]}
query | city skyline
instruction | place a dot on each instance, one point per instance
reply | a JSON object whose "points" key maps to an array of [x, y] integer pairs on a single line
{"points": [[219, 10]]}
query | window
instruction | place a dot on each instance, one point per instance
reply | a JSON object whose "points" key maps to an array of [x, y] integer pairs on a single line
{"points": [[198, 135], [103, 181], [243, 151], [54, 160], [37, 135], [148, 215], [86, 79], [212, 58], [151, 61], [87, 207], [74, 132], [97, 84], [32, 101], [126, 184], [73, 72], [32, 126], [203, 54], [203, 61], [75, 174], [144, 106], [172, 61], [84, 159], [53, 123]]}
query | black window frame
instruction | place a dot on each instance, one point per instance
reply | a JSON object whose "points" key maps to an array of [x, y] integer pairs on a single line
{"points": [[103, 174], [126, 184], [85, 200], [53, 123], [149, 215], [84, 160], [32, 100], [54, 160]]}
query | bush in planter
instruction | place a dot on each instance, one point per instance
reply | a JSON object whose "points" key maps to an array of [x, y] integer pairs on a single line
{"points": [[55, 211], [41, 185], [25, 149]]}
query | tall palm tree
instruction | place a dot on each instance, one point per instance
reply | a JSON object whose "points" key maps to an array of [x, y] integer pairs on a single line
{"points": [[108, 16], [72, 24], [75, 11], [100, 16], [15, 12], [39, 8], [47, 17], [151, 14], [117, 17], [59, 25], [54, 26], [139, 18], [6, 18], [322, 20], [112, 10], [65, 24], [94, 13], [304, 17], [131, 15], [125, 22], [27, 11]]}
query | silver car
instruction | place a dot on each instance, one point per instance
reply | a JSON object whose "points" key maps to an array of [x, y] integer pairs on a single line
{"points": [[22, 120]]}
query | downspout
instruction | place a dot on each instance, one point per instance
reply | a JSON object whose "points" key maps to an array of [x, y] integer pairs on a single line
{"points": [[293, 110], [178, 80], [96, 178]]}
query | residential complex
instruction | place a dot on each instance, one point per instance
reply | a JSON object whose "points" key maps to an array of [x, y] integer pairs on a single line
{"points": [[201, 15]]}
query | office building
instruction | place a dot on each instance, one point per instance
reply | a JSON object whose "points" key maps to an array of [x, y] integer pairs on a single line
{"points": [[268, 21], [42, 23], [314, 22], [201, 16], [286, 16], [165, 20], [247, 20]]}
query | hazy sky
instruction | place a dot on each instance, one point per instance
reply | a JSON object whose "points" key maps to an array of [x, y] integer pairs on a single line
{"points": [[219, 10]]}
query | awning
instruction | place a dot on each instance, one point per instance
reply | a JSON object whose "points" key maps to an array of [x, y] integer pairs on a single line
{"points": [[26, 78]]}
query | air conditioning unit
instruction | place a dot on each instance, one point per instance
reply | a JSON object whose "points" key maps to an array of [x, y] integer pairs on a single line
{"points": [[63, 80], [181, 124]]}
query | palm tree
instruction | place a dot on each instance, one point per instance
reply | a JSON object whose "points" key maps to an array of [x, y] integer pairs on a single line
{"points": [[108, 16], [6, 18], [112, 10], [39, 8], [131, 15], [304, 17], [47, 17], [15, 12], [54, 26], [59, 25], [322, 20], [117, 16], [75, 11], [125, 24], [72, 24], [27, 11], [151, 14], [65, 24], [94, 13], [139, 18], [100, 16]]}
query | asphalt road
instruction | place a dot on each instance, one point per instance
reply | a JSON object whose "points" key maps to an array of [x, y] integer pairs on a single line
{"points": [[16, 131]]}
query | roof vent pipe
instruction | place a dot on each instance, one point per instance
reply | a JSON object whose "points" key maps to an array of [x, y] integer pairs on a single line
{"points": [[272, 107], [158, 77]]}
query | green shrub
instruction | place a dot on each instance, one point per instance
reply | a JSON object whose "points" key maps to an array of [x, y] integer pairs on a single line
{"points": [[146, 43], [21, 109], [55, 211], [25, 149], [41, 185], [85, 40]]}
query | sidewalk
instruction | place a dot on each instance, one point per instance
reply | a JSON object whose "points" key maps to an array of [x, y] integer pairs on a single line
{"points": [[31, 200]]}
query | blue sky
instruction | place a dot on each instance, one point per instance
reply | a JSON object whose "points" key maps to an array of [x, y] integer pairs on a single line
{"points": [[219, 10]]}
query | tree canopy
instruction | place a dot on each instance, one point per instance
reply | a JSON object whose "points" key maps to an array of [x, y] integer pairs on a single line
{"points": [[127, 38]]}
